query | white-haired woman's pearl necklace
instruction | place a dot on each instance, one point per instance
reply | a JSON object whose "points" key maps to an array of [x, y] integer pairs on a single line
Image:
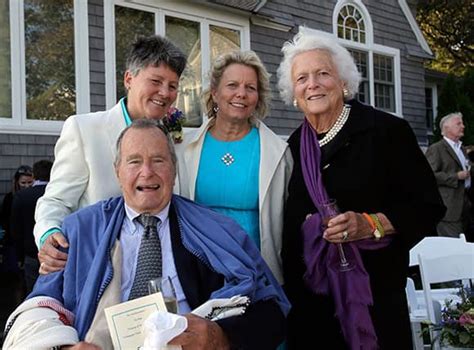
{"points": [[341, 120]]}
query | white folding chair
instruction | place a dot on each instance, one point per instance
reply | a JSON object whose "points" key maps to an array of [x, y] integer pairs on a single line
{"points": [[439, 246], [417, 312], [443, 269], [430, 247]]}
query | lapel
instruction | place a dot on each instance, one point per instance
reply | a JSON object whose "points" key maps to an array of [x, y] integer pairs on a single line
{"points": [[114, 124], [192, 155], [185, 263], [272, 149], [449, 150]]}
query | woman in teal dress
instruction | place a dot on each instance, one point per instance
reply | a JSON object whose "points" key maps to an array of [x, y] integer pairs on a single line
{"points": [[234, 163]]}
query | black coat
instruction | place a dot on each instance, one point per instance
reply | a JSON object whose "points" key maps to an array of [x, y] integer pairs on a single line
{"points": [[374, 164], [23, 220]]}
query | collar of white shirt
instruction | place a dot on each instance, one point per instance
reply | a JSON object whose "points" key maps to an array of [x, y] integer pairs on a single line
{"points": [[455, 145], [132, 215]]}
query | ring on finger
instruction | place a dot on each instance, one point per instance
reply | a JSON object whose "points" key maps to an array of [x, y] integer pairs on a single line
{"points": [[345, 235]]}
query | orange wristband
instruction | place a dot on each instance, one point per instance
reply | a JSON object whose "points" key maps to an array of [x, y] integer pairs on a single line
{"points": [[370, 220]]}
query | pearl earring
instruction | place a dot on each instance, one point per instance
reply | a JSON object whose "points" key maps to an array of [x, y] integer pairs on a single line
{"points": [[295, 103], [345, 93], [215, 109]]}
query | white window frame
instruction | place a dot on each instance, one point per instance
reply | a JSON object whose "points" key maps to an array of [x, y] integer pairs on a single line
{"points": [[204, 15], [18, 123], [370, 48], [434, 102]]}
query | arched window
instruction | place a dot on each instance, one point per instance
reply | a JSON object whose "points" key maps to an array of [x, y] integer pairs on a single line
{"points": [[350, 24], [379, 65]]}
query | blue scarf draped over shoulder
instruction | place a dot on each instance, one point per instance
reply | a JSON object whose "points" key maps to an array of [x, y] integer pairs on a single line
{"points": [[224, 246]]}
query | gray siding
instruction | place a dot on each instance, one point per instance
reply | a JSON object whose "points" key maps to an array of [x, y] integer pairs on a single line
{"points": [[96, 55], [16, 150]]}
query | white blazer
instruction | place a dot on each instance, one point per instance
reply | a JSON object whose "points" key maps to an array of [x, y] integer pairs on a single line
{"points": [[276, 164], [83, 170]]}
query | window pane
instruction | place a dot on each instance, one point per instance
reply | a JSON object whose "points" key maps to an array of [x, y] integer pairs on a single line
{"points": [[5, 71], [187, 36], [429, 108], [129, 23], [351, 23], [360, 59], [340, 31], [223, 40], [49, 59], [363, 95], [384, 86], [384, 97]]}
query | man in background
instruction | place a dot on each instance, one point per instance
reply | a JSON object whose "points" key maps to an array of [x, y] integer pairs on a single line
{"points": [[23, 221], [452, 170]]}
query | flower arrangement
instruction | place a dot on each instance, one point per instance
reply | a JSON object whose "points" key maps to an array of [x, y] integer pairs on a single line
{"points": [[174, 121], [456, 328]]}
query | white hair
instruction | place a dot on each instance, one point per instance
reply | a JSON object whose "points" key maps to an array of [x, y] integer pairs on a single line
{"points": [[446, 118], [302, 42]]}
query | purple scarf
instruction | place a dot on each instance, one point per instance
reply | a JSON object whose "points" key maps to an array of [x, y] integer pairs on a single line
{"points": [[350, 290]]}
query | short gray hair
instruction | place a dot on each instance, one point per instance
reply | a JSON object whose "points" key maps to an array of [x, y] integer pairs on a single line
{"points": [[302, 42], [446, 118], [154, 50], [143, 124], [246, 58]]}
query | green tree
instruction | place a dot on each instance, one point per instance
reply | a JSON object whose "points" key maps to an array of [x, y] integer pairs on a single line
{"points": [[49, 59], [457, 95], [448, 27]]}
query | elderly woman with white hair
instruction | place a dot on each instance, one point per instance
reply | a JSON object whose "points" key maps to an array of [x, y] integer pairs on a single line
{"points": [[346, 271]]}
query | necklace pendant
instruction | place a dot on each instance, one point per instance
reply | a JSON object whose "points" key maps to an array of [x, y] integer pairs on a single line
{"points": [[227, 159]]}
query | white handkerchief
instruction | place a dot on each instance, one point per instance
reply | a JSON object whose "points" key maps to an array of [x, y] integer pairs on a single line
{"points": [[216, 309], [160, 327]]}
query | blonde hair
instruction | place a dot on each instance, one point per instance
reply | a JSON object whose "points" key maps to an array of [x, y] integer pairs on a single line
{"points": [[246, 58]]}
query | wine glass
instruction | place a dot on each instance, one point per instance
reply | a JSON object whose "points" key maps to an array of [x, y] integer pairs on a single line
{"points": [[329, 210], [168, 291]]}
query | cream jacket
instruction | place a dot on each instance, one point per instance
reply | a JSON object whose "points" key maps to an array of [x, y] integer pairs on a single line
{"points": [[275, 169], [83, 170]]}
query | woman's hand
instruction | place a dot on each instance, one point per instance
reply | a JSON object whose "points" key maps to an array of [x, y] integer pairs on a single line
{"points": [[50, 257], [356, 226]]}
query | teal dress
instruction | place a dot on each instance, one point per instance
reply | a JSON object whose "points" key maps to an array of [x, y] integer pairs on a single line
{"points": [[228, 178]]}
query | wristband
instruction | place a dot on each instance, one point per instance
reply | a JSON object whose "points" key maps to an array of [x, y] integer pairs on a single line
{"points": [[47, 234], [378, 224], [373, 224]]}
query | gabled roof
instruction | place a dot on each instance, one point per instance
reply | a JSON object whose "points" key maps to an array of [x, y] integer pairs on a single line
{"points": [[414, 27]]}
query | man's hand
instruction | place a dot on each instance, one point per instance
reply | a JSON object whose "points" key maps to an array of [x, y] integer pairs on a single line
{"points": [[81, 346], [50, 257], [463, 175], [201, 334]]}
